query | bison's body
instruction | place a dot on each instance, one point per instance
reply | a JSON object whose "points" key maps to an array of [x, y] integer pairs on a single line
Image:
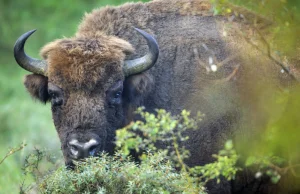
{"points": [[84, 68]]}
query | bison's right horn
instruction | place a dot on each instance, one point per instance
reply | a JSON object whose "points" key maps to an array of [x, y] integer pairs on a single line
{"points": [[30, 64], [146, 62]]}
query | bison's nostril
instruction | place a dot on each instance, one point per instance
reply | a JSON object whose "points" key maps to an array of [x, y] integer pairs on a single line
{"points": [[92, 151], [91, 147], [80, 150], [74, 150]]}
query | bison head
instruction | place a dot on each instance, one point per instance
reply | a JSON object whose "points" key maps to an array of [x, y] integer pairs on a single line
{"points": [[91, 87]]}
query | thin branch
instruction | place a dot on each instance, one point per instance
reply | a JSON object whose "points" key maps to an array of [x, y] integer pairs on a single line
{"points": [[12, 151], [277, 168], [291, 167], [268, 53], [279, 63], [178, 155], [230, 76], [230, 58], [265, 41], [219, 64], [284, 170]]}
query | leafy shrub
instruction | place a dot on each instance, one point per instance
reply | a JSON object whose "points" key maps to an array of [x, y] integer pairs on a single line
{"points": [[157, 172], [163, 127], [224, 166], [160, 170], [116, 174]]}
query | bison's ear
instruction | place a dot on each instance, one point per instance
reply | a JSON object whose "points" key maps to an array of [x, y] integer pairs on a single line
{"points": [[137, 87], [37, 86]]}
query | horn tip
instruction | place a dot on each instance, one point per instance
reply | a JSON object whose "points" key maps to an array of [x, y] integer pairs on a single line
{"points": [[140, 31], [24, 36], [30, 32], [146, 35]]}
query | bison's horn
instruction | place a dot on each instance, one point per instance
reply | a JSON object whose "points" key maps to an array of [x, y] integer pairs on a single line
{"points": [[142, 64], [30, 64]]}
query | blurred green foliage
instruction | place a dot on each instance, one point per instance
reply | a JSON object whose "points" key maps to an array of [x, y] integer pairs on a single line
{"points": [[22, 119], [283, 14], [274, 151]]}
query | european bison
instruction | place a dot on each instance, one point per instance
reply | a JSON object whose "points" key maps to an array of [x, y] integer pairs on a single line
{"points": [[97, 78]]}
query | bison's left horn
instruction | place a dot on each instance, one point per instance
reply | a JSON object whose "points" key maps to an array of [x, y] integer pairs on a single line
{"points": [[142, 64], [30, 64]]}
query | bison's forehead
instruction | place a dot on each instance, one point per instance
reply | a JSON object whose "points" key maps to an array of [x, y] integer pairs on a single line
{"points": [[83, 62]]}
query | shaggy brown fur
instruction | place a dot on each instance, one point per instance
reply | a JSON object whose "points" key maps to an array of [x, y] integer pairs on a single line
{"points": [[85, 71], [82, 61]]}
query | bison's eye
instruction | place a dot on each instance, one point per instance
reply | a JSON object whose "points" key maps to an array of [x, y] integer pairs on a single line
{"points": [[114, 94], [118, 94], [56, 100], [115, 97], [55, 94]]}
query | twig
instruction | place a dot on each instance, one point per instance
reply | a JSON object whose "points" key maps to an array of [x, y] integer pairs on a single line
{"points": [[264, 40], [227, 59], [219, 64], [178, 154], [230, 76], [12, 151], [278, 169], [291, 167], [268, 53], [284, 170]]}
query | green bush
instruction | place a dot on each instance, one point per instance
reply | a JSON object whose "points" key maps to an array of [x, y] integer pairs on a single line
{"points": [[159, 170], [116, 174], [163, 127]]}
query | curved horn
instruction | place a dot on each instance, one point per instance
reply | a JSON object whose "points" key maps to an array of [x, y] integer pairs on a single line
{"points": [[30, 64], [146, 62]]}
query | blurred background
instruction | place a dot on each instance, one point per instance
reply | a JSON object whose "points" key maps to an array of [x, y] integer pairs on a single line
{"points": [[23, 120]]}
